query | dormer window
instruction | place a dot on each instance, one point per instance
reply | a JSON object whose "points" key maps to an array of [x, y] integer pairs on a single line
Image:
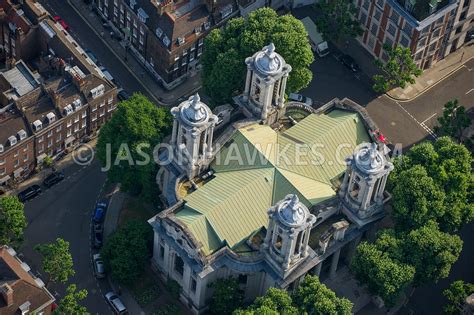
{"points": [[142, 16], [12, 140], [198, 29], [133, 3], [207, 25], [98, 91], [181, 40], [37, 125], [158, 32], [77, 103], [22, 134], [166, 41], [68, 110], [1, 148], [51, 117], [226, 11]]}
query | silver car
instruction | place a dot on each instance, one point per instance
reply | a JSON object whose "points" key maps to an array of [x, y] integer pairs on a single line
{"points": [[300, 98], [99, 269], [115, 303]]}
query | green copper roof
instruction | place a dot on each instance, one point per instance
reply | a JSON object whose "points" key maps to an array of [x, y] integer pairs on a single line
{"points": [[259, 166]]}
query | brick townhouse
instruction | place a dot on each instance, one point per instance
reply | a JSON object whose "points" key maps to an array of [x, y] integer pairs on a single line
{"points": [[431, 30], [50, 100], [21, 292], [168, 35]]}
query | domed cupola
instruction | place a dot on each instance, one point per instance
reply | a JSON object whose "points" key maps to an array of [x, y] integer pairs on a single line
{"points": [[265, 85], [192, 136], [286, 241], [363, 187]]}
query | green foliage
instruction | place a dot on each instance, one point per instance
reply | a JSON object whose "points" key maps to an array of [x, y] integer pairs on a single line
{"points": [[313, 297], [12, 221], [224, 69], [431, 252], [57, 260], [397, 71], [337, 20], [173, 288], [433, 182], [136, 127], [310, 297], [456, 294], [47, 162], [384, 276], [226, 296], [454, 121], [69, 304], [168, 309], [126, 251]]}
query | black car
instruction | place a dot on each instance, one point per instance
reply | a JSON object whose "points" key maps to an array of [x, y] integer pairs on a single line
{"points": [[350, 63], [123, 95], [52, 179], [98, 234], [29, 193]]}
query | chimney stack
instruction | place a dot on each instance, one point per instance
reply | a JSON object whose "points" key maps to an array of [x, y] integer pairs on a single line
{"points": [[7, 293]]}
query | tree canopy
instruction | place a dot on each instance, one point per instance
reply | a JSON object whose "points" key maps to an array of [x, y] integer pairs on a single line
{"points": [[337, 21], [126, 143], [456, 294], [433, 182], [223, 60], [310, 297], [127, 250], [398, 70], [226, 296], [69, 304], [57, 260], [12, 220], [454, 122]]}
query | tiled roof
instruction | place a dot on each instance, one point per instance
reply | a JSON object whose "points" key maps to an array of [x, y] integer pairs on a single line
{"points": [[251, 175]]}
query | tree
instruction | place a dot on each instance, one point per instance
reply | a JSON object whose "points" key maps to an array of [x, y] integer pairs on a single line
{"points": [[126, 143], [337, 20], [226, 296], [454, 121], [310, 297], [383, 275], [433, 182], [431, 252], [69, 304], [313, 297], [223, 60], [12, 220], [456, 294], [57, 260], [397, 71], [127, 250]]}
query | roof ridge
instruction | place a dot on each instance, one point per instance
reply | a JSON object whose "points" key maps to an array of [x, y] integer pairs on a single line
{"points": [[316, 180]]}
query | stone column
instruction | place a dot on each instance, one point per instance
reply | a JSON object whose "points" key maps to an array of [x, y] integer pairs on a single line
{"points": [[175, 131], [266, 102], [334, 263], [368, 195], [317, 269], [283, 88], [247, 84], [345, 181], [209, 140], [306, 241], [352, 248]]}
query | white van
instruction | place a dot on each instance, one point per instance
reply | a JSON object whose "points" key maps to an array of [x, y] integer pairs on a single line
{"points": [[318, 44]]}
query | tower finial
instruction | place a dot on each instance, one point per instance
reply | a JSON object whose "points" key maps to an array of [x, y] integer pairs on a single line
{"points": [[270, 50], [373, 154], [195, 100], [293, 201]]}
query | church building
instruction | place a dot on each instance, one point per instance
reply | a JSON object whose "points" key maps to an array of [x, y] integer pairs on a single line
{"points": [[282, 191]]}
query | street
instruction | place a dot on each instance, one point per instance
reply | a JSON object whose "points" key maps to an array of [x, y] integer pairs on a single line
{"points": [[64, 211]]}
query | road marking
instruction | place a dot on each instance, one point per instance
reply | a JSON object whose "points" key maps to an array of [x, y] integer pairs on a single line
{"points": [[469, 91], [426, 128], [428, 118]]}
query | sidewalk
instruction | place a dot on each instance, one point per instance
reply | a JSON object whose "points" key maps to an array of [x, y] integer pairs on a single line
{"points": [[135, 67], [434, 75]]}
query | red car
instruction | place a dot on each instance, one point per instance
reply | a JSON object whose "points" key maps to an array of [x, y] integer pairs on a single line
{"points": [[57, 18]]}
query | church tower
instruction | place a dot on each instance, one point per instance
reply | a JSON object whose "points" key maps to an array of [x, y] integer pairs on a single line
{"points": [[264, 94], [362, 190], [286, 241], [193, 129]]}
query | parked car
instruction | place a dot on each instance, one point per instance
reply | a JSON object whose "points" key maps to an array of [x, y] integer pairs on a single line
{"points": [[98, 234], [300, 98], [29, 193], [116, 303], [58, 19], [99, 269], [91, 55], [107, 74], [349, 62], [99, 212], [123, 95], [52, 179], [61, 155]]}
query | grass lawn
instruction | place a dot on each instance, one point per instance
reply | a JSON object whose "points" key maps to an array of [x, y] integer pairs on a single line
{"points": [[135, 209]]}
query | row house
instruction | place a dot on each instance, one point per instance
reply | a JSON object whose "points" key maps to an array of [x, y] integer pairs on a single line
{"points": [[425, 29], [167, 36]]}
